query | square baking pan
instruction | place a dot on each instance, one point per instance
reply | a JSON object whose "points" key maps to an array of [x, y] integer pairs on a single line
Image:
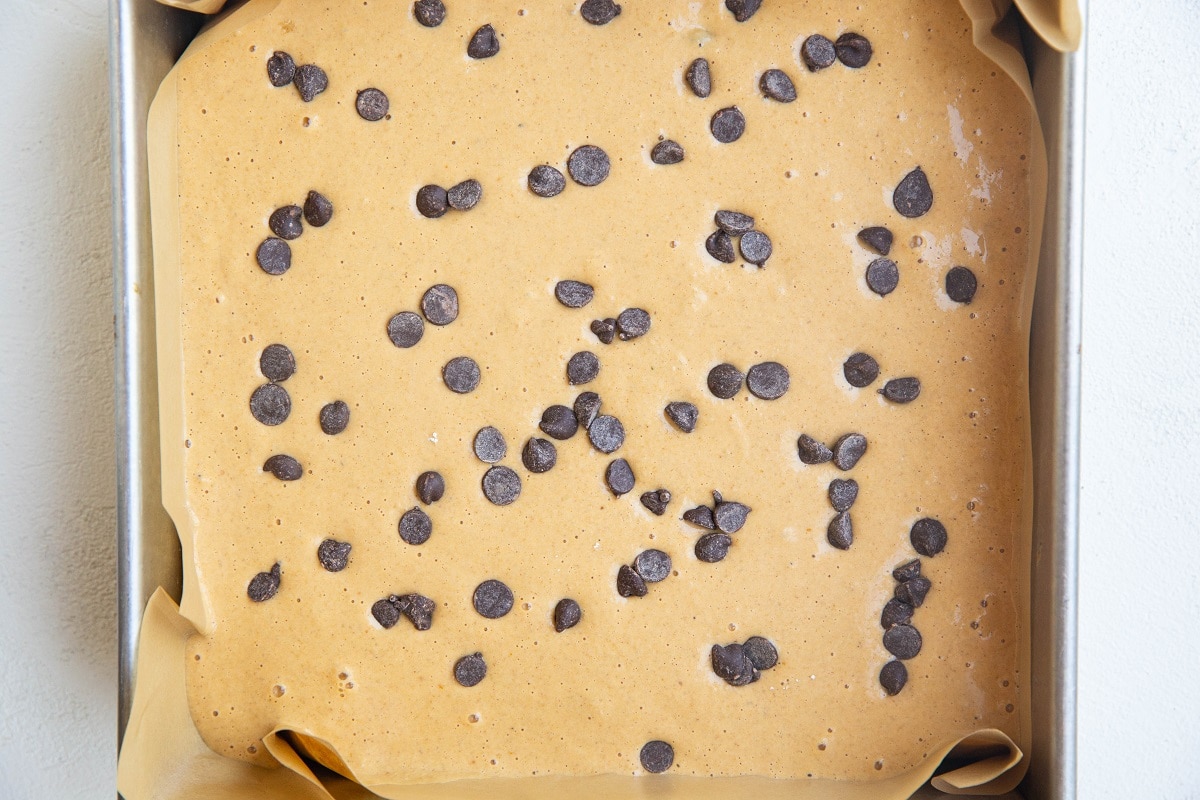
{"points": [[147, 38]]}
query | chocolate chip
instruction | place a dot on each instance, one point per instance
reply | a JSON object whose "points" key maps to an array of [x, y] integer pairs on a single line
{"points": [[842, 494], [484, 43], [270, 404], [574, 294], [860, 370], [559, 422], [768, 380], [632, 323], [883, 276], [629, 583], [731, 664], [756, 247], [264, 585], [492, 599], [668, 151], [470, 670], [652, 565], [743, 9], [734, 223], [371, 104], [657, 756], [811, 451], [274, 256], [699, 77], [853, 50], [567, 614], [489, 445], [848, 450], [465, 195], [683, 415], [961, 284], [334, 417], [539, 455], [546, 181], [701, 516], [418, 608], [439, 304], [284, 467], [656, 501], [728, 125], [902, 641], [285, 222], [461, 375], [895, 612], [405, 329], [928, 537], [729, 517], [281, 69], [713, 547], [386, 612], [720, 246], [907, 571], [877, 238], [599, 12], [901, 390], [893, 676], [317, 210], [588, 165], [501, 485], [725, 380], [587, 406], [914, 591], [619, 477], [277, 363], [310, 81], [841, 531], [605, 330], [431, 486], [333, 555], [776, 85], [583, 367], [761, 652], [817, 52], [913, 196], [429, 13], [432, 201], [415, 526]]}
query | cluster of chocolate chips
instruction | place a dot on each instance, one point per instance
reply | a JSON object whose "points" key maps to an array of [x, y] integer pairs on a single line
{"points": [[724, 518], [742, 664], [309, 79], [415, 525], [861, 370], [416, 608], [769, 380], [755, 245], [852, 49], [844, 454], [501, 484], [900, 637], [629, 324], [274, 255], [588, 165], [650, 566], [433, 201]]}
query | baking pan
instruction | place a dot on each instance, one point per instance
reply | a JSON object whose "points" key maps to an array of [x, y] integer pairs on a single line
{"points": [[146, 38]]}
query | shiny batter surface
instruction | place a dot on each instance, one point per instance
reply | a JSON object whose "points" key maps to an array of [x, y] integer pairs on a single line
{"points": [[811, 172]]}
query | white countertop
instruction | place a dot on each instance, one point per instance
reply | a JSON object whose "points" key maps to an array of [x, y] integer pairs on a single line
{"points": [[1139, 694]]}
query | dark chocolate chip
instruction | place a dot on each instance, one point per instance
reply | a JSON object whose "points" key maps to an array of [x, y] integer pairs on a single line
{"points": [[559, 422], [431, 486], [270, 404], [902, 641], [574, 294], [883, 276], [811, 451], [817, 52], [432, 201], [546, 181], [731, 664], [619, 477], [743, 9], [895, 612], [285, 222], [274, 256], [853, 50], [720, 246], [761, 652], [961, 284], [632, 323], [776, 85], [599, 12], [587, 406], [699, 77], [539, 455], [652, 565], [418, 608], [713, 547], [841, 531], [583, 367], [725, 380], [768, 380], [371, 104], [605, 329], [656, 501], [842, 493], [877, 238], [756, 247], [657, 756], [901, 390], [264, 585], [484, 43], [405, 329], [429, 13], [606, 433], [629, 583], [461, 375], [489, 445], [893, 676], [492, 599], [729, 517], [281, 69], [386, 612], [310, 81], [333, 555], [914, 591], [501, 485], [567, 614], [588, 165], [415, 526], [734, 223], [317, 210], [848, 450], [465, 195], [728, 125], [668, 151], [860, 370], [439, 304], [683, 415], [470, 670], [907, 571], [277, 363], [701, 516], [913, 196], [928, 537], [334, 417]]}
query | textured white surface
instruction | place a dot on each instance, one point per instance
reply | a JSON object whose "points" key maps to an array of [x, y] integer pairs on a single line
{"points": [[1140, 555]]}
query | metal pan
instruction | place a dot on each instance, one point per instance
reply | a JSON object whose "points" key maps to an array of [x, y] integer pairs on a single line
{"points": [[147, 38]]}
